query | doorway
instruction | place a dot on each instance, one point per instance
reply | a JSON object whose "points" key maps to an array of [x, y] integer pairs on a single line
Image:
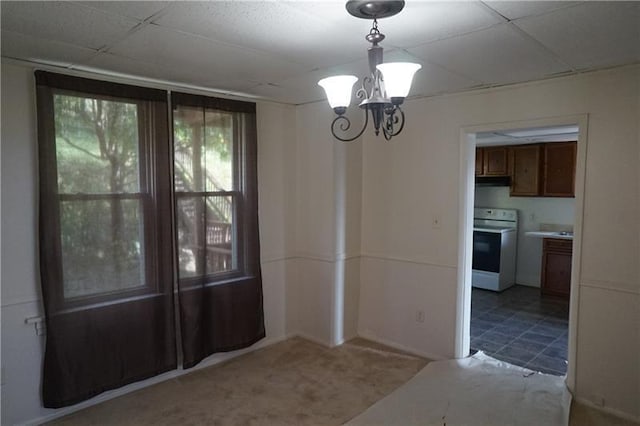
{"points": [[520, 323]]}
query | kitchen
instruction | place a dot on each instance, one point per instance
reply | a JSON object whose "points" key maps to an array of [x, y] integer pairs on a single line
{"points": [[522, 246]]}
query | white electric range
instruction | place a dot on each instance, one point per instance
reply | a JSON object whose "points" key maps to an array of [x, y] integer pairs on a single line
{"points": [[495, 233]]}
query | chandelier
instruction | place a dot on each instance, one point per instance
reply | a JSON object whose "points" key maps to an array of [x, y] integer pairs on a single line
{"points": [[383, 91]]}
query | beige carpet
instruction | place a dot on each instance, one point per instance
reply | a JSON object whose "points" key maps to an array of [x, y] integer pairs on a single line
{"points": [[295, 382]]}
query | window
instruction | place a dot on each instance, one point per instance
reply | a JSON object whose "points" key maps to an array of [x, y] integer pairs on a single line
{"points": [[216, 225], [105, 236], [209, 183], [103, 196], [111, 240]]}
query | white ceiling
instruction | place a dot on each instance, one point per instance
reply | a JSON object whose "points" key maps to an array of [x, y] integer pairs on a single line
{"points": [[278, 50], [528, 135]]}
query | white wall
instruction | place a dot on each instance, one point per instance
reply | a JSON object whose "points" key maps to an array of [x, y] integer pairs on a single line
{"points": [[409, 264], [348, 232], [325, 292], [22, 350], [532, 213]]}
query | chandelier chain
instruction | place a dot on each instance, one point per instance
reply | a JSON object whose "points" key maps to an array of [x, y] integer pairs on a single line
{"points": [[374, 28]]}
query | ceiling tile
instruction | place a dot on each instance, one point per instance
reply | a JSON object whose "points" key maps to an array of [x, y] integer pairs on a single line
{"points": [[174, 50], [120, 64], [433, 80], [33, 49], [424, 21], [282, 94], [292, 33], [65, 22], [519, 9], [181, 76], [497, 55], [140, 10], [593, 34]]}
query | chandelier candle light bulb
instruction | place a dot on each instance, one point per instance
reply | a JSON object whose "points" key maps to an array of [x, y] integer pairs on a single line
{"points": [[383, 91]]}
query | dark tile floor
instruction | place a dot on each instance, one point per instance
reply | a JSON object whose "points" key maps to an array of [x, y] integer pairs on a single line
{"points": [[521, 327]]}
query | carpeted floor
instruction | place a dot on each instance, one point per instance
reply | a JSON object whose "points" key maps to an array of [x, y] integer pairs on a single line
{"points": [[295, 382]]}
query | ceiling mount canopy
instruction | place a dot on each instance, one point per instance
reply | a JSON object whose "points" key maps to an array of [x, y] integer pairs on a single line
{"points": [[383, 91], [375, 9]]}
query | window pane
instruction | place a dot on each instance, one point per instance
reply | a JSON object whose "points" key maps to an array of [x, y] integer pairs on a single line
{"points": [[218, 144], [102, 244], [206, 241], [220, 241], [189, 155], [190, 236], [96, 145], [203, 143]]}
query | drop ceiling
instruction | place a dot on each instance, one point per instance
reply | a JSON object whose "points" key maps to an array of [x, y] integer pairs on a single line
{"points": [[278, 50], [528, 135]]}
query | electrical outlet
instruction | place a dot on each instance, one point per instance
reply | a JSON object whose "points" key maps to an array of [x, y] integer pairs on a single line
{"points": [[419, 316], [436, 222]]}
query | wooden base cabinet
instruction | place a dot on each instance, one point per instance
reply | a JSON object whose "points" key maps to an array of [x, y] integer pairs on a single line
{"points": [[556, 267]]}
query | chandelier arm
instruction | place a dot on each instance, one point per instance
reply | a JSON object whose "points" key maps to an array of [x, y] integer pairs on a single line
{"points": [[362, 92], [346, 124], [391, 120]]}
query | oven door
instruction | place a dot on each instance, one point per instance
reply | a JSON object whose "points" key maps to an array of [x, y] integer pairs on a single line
{"points": [[486, 251]]}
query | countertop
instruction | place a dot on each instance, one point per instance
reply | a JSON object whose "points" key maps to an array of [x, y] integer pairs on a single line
{"points": [[549, 234]]}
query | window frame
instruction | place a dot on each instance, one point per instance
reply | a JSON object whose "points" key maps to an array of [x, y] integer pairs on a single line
{"points": [[240, 239], [147, 193]]}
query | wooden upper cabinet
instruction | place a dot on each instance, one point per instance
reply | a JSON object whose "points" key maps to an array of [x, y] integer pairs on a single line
{"points": [[492, 161], [525, 162], [559, 169], [479, 161], [536, 170], [495, 161]]}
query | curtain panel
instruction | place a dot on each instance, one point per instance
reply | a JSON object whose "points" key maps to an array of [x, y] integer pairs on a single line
{"points": [[133, 206], [217, 238], [106, 260]]}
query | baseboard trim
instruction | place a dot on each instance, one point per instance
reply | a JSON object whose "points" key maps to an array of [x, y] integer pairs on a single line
{"points": [[608, 410], [312, 339], [106, 396], [395, 345]]}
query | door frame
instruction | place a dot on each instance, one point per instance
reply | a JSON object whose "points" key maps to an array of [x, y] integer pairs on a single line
{"points": [[465, 225]]}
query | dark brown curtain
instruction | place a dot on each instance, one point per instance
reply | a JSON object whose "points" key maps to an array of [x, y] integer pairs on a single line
{"points": [[220, 283], [103, 338]]}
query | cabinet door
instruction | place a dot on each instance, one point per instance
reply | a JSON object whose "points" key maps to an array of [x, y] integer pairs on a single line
{"points": [[556, 267], [559, 169], [479, 161], [495, 161], [525, 170]]}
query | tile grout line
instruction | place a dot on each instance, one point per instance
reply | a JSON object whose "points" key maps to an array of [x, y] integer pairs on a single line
{"points": [[544, 320]]}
